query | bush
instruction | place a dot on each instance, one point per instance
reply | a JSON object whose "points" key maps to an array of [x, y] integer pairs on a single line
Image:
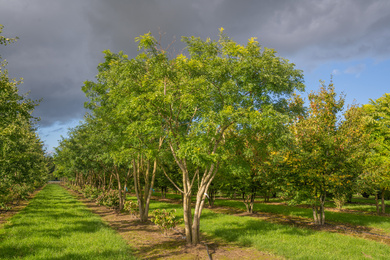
{"points": [[165, 220], [19, 192], [109, 199], [4, 207], [87, 191], [132, 207], [91, 192], [75, 188]]}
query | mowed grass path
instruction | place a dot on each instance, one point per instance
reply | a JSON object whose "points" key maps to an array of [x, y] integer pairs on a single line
{"points": [[56, 226]]}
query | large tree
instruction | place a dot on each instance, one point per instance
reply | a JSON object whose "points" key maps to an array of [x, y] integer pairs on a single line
{"points": [[186, 105], [220, 86]]}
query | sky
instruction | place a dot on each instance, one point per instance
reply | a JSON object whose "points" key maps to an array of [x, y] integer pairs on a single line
{"points": [[61, 42]]}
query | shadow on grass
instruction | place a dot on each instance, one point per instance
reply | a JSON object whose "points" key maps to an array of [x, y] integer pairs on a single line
{"points": [[18, 251], [106, 254], [21, 252], [359, 219], [243, 229]]}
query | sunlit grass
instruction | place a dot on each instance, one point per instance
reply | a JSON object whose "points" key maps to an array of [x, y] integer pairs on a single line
{"points": [[361, 219], [56, 226], [284, 240], [371, 221]]}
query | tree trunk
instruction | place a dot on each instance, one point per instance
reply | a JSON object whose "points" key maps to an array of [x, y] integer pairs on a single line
{"points": [[266, 196], [315, 215], [142, 168], [211, 197], [323, 210], [119, 188], [319, 211], [192, 225], [249, 201], [187, 216], [163, 192], [383, 202], [377, 203]]}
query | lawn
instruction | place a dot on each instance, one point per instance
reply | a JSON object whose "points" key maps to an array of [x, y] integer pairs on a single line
{"points": [[56, 226], [361, 219], [283, 240]]}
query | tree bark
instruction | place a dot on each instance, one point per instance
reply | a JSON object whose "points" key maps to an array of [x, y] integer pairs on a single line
{"points": [[142, 168], [383, 202], [319, 211], [377, 203]]}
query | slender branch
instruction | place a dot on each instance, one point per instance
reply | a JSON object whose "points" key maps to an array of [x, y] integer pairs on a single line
{"points": [[193, 178], [174, 184]]}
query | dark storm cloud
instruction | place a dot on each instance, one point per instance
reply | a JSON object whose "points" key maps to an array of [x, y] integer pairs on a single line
{"points": [[61, 41], [320, 30]]}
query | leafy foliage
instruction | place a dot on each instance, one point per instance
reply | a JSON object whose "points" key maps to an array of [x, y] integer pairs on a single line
{"points": [[165, 219], [329, 154], [23, 164], [131, 207], [377, 177], [109, 198]]}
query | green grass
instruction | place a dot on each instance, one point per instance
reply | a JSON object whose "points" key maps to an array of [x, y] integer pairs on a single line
{"points": [[370, 221], [56, 226], [361, 219], [283, 240]]}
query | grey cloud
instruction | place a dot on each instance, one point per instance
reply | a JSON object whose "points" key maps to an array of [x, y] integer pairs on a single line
{"points": [[57, 130], [61, 41]]}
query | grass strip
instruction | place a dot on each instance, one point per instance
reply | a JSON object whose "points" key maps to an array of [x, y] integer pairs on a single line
{"points": [[56, 226], [283, 240], [370, 221]]}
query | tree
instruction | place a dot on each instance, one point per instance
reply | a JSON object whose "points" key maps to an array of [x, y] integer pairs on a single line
{"points": [[186, 105], [378, 163], [326, 157], [220, 86], [22, 161], [133, 127]]}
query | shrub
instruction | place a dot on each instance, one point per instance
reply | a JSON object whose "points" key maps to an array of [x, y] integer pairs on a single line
{"points": [[165, 220], [340, 201], [4, 207], [87, 191], [109, 199], [19, 192], [132, 207], [91, 192]]}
